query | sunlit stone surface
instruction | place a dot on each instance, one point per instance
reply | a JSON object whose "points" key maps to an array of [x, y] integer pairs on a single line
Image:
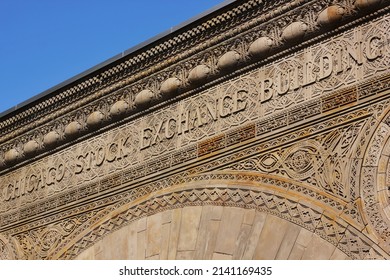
{"points": [[259, 131]]}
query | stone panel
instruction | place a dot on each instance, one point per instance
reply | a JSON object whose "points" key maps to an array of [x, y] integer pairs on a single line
{"points": [[230, 229], [154, 238], [189, 228], [260, 240], [270, 238]]}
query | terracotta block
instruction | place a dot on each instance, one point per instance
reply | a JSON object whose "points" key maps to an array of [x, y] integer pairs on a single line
{"points": [[339, 255], [204, 232], [241, 242], [304, 237], [153, 234], [166, 217], [115, 245], [185, 255], [230, 228], [383, 161], [318, 249], [141, 224], [154, 257], [141, 245], [174, 233], [249, 216], [189, 228], [217, 212], [132, 241], [217, 256], [253, 239], [288, 242], [165, 236], [210, 239], [297, 252], [271, 237]]}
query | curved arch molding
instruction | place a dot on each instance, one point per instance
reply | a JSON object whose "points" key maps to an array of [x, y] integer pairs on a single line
{"points": [[244, 209]]}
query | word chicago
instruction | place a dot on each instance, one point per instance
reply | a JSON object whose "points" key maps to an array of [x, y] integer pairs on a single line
{"points": [[312, 69]]}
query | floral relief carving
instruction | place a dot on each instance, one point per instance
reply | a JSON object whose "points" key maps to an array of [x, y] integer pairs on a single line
{"points": [[318, 161], [373, 183], [41, 242]]}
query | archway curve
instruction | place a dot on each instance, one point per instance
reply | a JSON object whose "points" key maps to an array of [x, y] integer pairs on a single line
{"points": [[241, 191], [374, 178]]}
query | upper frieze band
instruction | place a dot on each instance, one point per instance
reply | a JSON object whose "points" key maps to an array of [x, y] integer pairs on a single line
{"points": [[240, 34]]}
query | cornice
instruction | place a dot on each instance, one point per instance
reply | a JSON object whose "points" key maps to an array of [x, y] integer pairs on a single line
{"points": [[193, 55], [129, 64]]}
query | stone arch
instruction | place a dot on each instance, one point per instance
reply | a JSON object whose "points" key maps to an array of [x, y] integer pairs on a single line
{"points": [[194, 232], [248, 196], [375, 179]]}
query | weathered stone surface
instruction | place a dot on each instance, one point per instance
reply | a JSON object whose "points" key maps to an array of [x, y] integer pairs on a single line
{"points": [[199, 73], [230, 229], [73, 128], [261, 46], [153, 235], [362, 4], [297, 252], [141, 245], [218, 256], [260, 131], [132, 245], [228, 60], [170, 86], [330, 15], [270, 238], [51, 138], [288, 242], [95, 118], [339, 255], [185, 255], [294, 31], [257, 228], [302, 242], [165, 237], [31, 147], [189, 228], [154, 240], [318, 249], [119, 108], [205, 234], [174, 233], [110, 249], [143, 98], [241, 242]]}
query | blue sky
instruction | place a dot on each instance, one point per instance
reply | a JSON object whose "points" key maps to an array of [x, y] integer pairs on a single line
{"points": [[45, 42]]}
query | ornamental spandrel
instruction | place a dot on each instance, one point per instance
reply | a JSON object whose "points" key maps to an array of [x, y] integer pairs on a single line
{"points": [[268, 124]]}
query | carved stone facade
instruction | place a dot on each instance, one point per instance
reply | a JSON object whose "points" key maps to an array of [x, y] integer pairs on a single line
{"points": [[261, 130]]}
